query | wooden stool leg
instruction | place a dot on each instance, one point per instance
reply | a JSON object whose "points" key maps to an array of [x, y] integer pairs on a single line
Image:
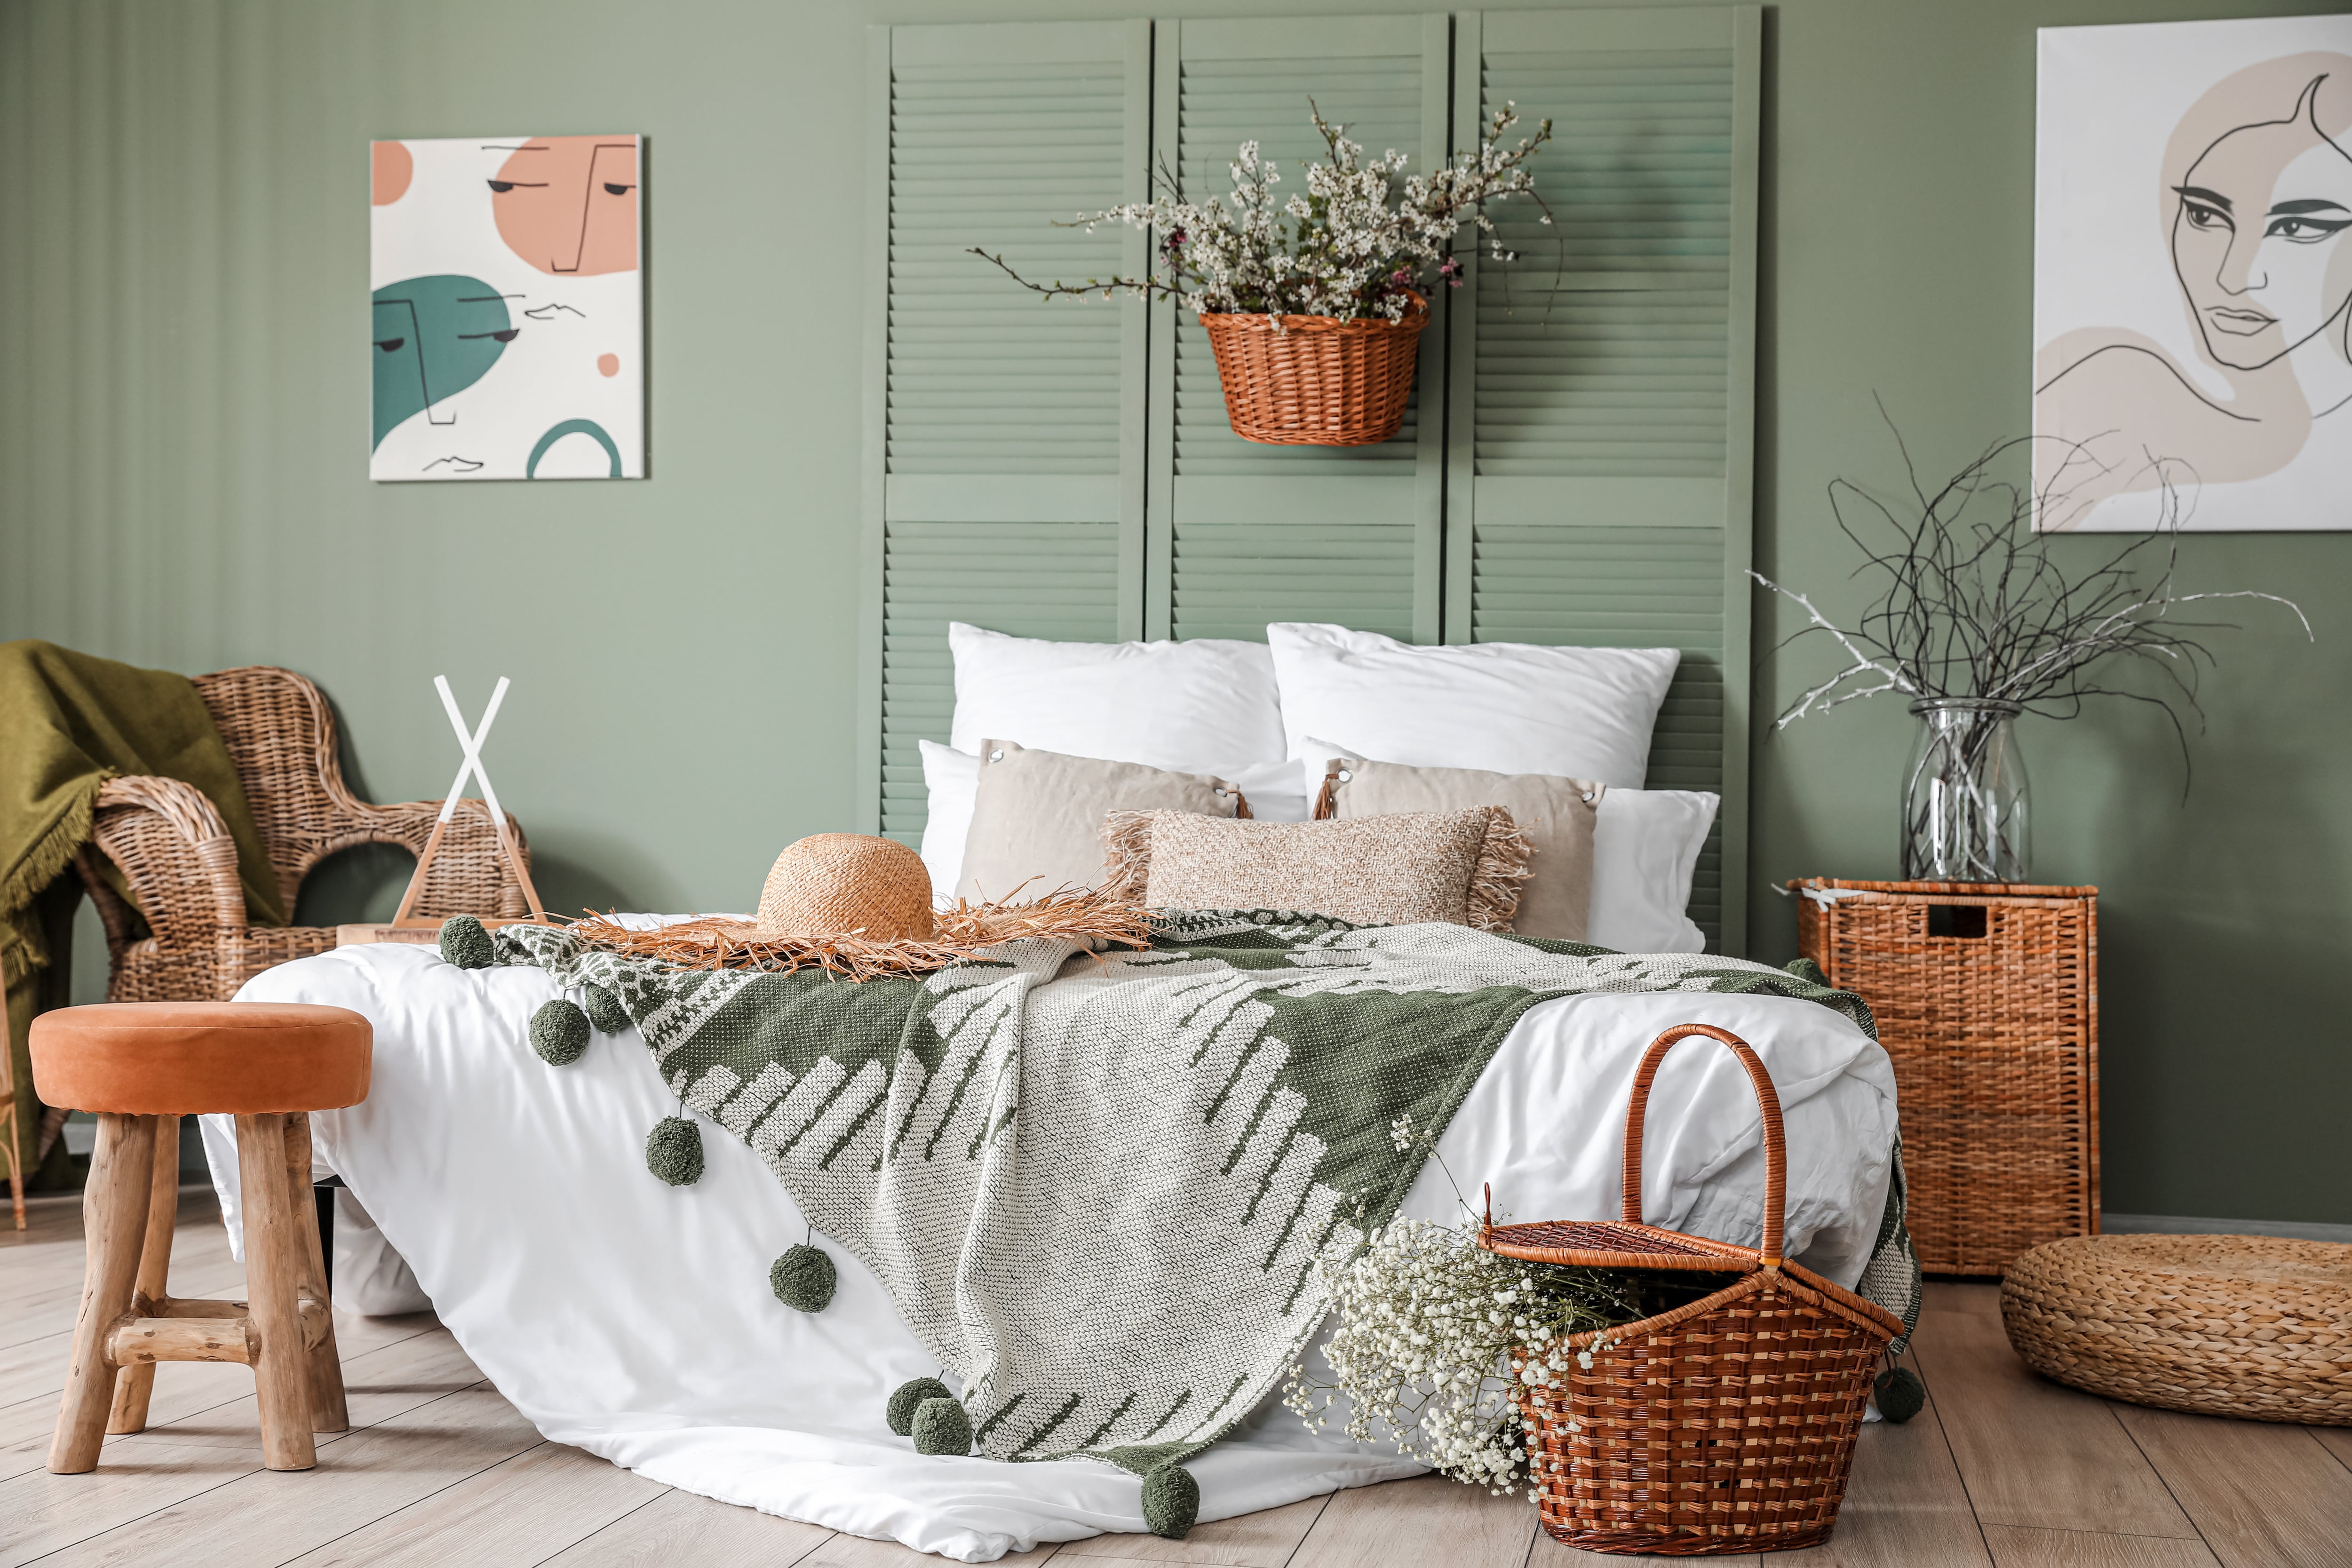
{"points": [[329, 1411], [136, 1381], [273, 1282], [114, 1220]]}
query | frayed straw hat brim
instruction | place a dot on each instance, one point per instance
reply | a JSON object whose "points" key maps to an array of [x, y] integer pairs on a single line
{"points": [[962, 932]]}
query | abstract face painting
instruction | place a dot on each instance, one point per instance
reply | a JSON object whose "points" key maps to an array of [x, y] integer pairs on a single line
{"points": [[2193, 276], [507, 340]]}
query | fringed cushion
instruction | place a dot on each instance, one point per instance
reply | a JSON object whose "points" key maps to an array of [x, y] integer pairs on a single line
{"points": [[1461, 868], [1555, 816]]}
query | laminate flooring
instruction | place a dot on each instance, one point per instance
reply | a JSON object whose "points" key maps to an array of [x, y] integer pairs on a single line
{"points": [[2002, 1469]]}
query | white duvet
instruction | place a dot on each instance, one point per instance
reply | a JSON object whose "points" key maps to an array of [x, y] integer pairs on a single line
{"points": [[631, 1319]]}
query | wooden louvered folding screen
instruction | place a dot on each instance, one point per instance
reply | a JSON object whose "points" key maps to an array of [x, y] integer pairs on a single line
{"points": [[1575, 468], [1242, 533], [1003, 433], [1600, 416]]}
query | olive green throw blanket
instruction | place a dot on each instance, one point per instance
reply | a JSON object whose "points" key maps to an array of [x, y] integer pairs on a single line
{"points": [[1099, 1202], [69, 723]]}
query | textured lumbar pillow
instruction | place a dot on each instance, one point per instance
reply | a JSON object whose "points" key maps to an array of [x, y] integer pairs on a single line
{"points": [[1038, 816], [1555, 815], [1461, 868]]}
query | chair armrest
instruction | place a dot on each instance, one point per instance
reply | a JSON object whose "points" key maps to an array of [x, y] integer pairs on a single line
{"points": [[175, 852], [469, 874]]}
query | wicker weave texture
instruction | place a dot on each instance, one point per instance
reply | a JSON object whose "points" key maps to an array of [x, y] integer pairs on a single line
{"points": [[1995, 1043], [194, 943], [841, 884], [1319, 381], [1725, 1426], [2257, 1327]]}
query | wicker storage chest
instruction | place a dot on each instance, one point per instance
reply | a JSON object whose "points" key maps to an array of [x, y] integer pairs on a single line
{"points": [[1987, 998]]}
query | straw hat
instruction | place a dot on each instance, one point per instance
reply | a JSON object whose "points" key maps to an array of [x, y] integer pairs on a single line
{"points": [[833, 884]]}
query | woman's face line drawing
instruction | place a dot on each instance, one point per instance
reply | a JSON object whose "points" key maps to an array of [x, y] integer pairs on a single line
{"points": [[2256, 239]]}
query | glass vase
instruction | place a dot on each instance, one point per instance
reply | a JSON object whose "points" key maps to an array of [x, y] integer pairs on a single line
{"points": [[1966, 808]]}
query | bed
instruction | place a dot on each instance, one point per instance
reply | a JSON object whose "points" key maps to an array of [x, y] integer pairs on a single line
{"points": [[605, 1304]]}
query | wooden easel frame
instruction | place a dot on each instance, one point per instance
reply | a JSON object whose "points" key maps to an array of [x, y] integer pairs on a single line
{"points": [[470, 742]]}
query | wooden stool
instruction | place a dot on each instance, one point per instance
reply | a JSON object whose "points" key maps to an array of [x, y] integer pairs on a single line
{"points": [[140, 1066]]}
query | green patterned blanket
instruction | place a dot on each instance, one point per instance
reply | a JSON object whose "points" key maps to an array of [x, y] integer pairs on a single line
{"points": [[1099, 1202]]}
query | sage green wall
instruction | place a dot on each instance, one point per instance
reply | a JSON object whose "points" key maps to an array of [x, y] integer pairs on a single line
{"points": [[182, 462]]}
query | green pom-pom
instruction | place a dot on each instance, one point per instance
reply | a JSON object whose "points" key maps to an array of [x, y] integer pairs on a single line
{"points": [[604, 1011], [942, 1427], [674, 1150], [804, 1279], [465, 943], [1806, 970], [1172, 1500], [1899, 1394], [908, 1398], [558, 1032]]}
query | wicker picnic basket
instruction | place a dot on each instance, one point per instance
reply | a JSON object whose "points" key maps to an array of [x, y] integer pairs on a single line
{"points": [[1726, 1425], [1319, 381]]}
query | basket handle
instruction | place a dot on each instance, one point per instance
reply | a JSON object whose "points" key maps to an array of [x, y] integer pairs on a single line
{"points": [[1776, 1145]]}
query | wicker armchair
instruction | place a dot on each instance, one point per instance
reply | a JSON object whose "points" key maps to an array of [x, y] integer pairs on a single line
{"points": [[173, 850]]}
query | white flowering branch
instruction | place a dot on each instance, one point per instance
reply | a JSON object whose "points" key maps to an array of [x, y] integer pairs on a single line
{"points": [[1975, 607], [1356, 246]]}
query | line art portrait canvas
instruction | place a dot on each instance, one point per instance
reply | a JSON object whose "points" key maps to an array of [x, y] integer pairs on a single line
{"points": [[509, 309], [2192, 279]]}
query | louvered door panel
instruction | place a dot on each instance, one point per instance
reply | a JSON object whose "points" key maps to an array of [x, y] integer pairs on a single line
{"points": [[1034, 580], [1242, 532], [1005, 476], [1624, 587], [1601, 409]]}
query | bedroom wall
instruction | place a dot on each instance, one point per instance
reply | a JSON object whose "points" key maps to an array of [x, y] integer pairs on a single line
{"points": [[183, 481]]}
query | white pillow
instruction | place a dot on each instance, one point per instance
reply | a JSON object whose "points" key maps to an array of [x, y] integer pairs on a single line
{"points": [[1508, 707], [1645, 849], [952, 777], [1162, 704]]}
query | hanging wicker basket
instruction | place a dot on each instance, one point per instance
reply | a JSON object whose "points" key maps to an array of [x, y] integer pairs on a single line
{"points": [[1725, 1426], [1318, 381]]}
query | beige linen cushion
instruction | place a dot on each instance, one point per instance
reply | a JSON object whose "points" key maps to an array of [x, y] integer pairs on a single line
{"points": [[1556, 816], [1462, 867], [1038, 816]]}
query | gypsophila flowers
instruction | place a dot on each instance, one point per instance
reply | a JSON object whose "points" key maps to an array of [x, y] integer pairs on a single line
{"points": [[1354, 245], [1435, 1337]]}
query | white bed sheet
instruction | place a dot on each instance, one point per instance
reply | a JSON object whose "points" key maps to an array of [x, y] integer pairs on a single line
{"points": [[633, 1319]]}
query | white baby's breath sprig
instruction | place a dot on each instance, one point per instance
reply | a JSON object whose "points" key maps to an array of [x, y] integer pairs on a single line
{"points": [[1437, 1338], [1356, 246]]}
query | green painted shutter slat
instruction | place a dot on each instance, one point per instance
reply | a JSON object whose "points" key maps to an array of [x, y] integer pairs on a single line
{"points": [[1222, 509], [1601, 408], [1004, 474]]}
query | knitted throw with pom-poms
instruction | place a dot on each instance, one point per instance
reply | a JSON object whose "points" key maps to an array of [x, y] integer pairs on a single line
{"points": [[1096, 1186]]}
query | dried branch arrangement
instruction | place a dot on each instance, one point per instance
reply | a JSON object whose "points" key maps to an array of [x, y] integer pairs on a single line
{"points": [[1973, 607], [1353, 248], [966, 931]]}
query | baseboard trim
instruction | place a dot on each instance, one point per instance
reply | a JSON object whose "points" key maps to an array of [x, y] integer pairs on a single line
{"points": [[2184, 1224]]}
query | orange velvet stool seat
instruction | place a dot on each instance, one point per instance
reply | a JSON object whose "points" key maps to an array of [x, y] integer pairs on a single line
{"points": [[141, 1066]]}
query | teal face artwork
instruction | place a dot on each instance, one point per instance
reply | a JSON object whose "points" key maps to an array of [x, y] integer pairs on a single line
{"points": [[433, 338]]}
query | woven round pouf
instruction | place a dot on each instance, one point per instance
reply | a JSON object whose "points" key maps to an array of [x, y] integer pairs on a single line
{"points": [[835, 884], [2257, 1327]]}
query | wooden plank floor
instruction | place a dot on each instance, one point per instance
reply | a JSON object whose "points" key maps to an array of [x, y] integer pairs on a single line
{"points": [[2002, 1470]]}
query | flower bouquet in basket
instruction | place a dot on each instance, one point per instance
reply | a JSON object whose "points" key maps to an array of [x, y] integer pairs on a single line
{"points": [[1653, 1392], [1314, 304]]}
